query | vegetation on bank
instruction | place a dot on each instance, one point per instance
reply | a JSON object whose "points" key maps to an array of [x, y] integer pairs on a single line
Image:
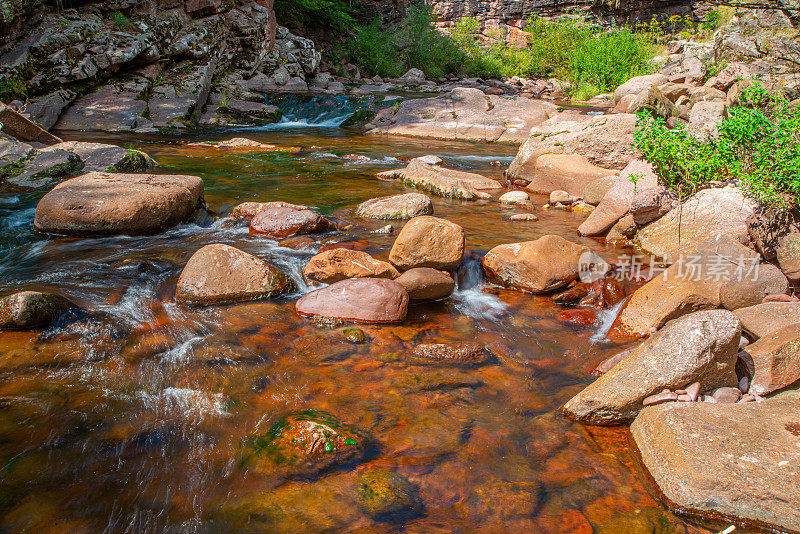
{"points": [[758, 145], [570, 48]]}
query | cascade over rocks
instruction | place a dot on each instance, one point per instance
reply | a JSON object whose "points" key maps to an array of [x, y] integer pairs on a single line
{"points": [[360, 300], [339, 264], [427, 174], [427, 241], [404, 206], [700, 347], [221, 273], [717, 274], [103, 203], [714, 459], [546, 264], [31, 309]]}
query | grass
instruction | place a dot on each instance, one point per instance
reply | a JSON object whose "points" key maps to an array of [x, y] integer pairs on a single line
{"points": [[758, 147]]}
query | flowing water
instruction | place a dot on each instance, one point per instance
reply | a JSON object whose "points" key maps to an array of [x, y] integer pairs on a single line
{"points": [[131, 418]]}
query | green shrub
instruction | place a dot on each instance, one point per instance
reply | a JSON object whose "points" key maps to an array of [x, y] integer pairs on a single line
{"points": [[332, 14], [607, 59], [120, 21], [375, 52], [758, 145]]}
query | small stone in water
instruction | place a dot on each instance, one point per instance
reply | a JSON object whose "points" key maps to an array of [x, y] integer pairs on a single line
{"points": [[387, 495], [388, 229], [660, 398], [323, 321], [355, 335], [524, 217]]}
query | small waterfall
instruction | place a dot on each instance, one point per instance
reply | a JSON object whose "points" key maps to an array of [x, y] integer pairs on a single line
{"points": [[469, 297], [328, 111]]}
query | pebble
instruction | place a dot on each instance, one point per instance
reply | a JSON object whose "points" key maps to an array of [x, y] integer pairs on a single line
{"points": [[388, 229], [524, 217], [727, 395], [561, 197], [354, 335], [514, 197], [747, 398], [744, 384], [660, 398], [693, 390], [743, 342]]}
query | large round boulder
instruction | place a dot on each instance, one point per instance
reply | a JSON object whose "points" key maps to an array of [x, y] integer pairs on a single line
{"points": [[424, 283], [340, 264], [361, 300], [428, 242], [404, 206], [221, 273], [539, 266], [104, 203], [31, 309], [281, 220]]}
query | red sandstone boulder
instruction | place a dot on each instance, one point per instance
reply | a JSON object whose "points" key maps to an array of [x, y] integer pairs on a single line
{"points": [[280, 221], [104, 203], [396, 207], [776, 360], [428, 242], [540, 266], [361, 300], [221, 273], [424, 283], [339, 264]]}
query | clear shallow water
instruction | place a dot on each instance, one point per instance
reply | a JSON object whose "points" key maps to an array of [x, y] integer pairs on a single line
{"points": [[131, 419]]}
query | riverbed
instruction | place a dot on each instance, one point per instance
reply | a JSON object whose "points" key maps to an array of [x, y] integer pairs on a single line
{"points": [[131, 417]]}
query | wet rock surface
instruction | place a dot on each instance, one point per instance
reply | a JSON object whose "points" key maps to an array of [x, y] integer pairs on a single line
{"points": [[424, 283], [451, 355], [427, 241], [540, 266], [385, 495], [405, 206], [221, 273], [31, 309], [432, 177], [102, 203], [281, 220], [361, 300], [340, 264]]}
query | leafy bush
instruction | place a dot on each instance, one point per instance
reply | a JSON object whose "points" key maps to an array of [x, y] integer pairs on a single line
{"points": [[416, 44], [607, 59], [758, 145], [334, 14], [120, 21]]}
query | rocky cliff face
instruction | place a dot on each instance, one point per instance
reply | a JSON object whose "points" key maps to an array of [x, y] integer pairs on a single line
{"points": [[513, 13]]}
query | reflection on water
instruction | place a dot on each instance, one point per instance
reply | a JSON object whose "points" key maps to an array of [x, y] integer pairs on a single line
{"points": [[130, 418]]}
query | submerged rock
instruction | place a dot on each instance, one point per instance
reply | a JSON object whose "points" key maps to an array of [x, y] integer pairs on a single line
{"points": [[387, 495], [428, 242], [734, 460], [303, 443], [404, 206], [31, 309], [451, 354], [102, 203], [340, 263], [701, 347], [424, 283], [442, 181], [221, 273], [361, 300], [540, 266], [280, 220]]}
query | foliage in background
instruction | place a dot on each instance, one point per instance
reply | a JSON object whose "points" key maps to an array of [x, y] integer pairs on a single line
{"points": [[758, 145], [333, 14]]}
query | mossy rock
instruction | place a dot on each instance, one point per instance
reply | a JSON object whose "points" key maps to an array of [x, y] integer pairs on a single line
{"points": [[135, 161], [385, 495], [355, 335], [359, 119], [303, 443], [648, 520]]}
